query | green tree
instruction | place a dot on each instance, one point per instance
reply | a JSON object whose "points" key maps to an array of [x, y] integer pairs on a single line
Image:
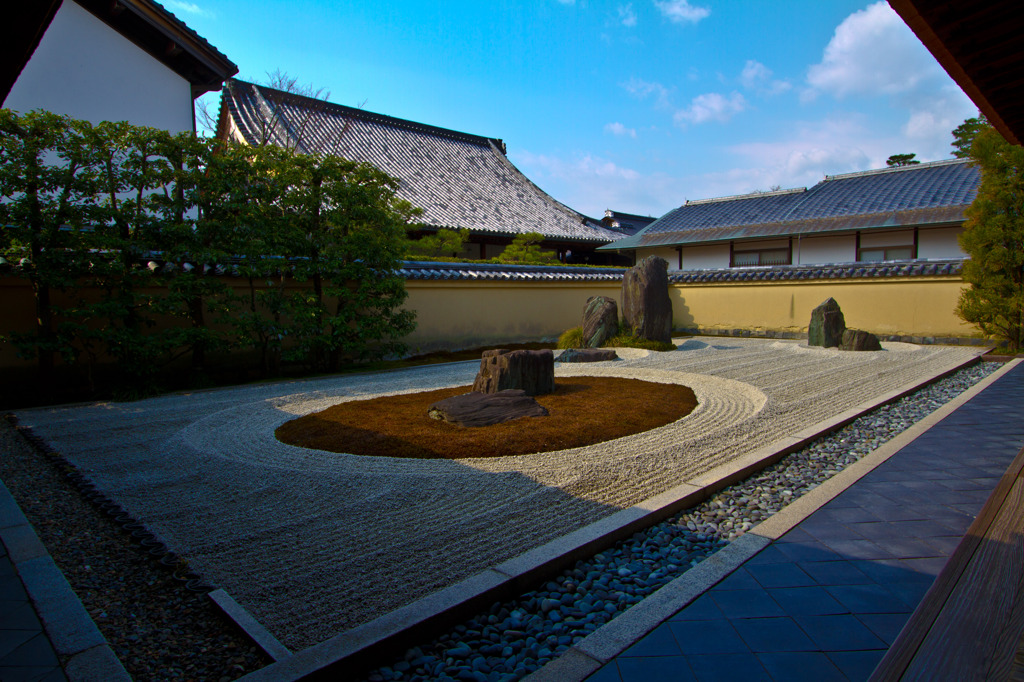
{"points": [[194, 240], [897, 160], [993, 237], [964, 134], [443, 243], [352, 229], [525, 248], [45, 191]]}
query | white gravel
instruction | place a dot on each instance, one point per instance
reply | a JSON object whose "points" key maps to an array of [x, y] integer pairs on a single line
{"points": [[314, 543]]}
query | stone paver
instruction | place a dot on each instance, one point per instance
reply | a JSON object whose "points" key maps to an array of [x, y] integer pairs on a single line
{"points": [[826, 600], [25, 651]]}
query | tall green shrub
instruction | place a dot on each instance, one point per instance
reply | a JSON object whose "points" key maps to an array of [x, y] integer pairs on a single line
{"points": [[146, 218], [46, 189], [993, 237]]}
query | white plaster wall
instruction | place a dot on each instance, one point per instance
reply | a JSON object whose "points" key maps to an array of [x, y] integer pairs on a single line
{"points": [[669, 253], [939, 242], [821, 250], [87, 70], [705, 257], [870, 240]]}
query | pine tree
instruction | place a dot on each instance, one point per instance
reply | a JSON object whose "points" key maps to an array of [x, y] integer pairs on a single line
{"points": [[993, 237]]}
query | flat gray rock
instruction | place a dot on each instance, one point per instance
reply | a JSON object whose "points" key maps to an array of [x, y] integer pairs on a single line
{"points": [[483, 409], [857, 339], [587, 355]]}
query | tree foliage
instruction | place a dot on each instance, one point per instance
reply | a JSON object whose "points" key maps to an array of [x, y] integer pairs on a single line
{"points": [[441, 244], [964, 134], [897, 160], [131, 226], [525, 248], [993, 237]]}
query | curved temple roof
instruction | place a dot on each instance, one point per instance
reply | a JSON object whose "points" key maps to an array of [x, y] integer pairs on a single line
{"points": [[459, 180], [924, 194]]}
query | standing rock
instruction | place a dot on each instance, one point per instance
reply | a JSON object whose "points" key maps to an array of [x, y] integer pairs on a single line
{"points": [[600, 321], [646, 305], [827, 325], [856, 339], [532, 371]]}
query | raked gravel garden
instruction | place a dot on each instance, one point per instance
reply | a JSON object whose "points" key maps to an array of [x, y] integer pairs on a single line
{"points": [[315, 543]]}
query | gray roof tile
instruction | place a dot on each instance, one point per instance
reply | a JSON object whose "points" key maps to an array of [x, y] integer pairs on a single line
{"points": [[928, 193], [459, 180]]}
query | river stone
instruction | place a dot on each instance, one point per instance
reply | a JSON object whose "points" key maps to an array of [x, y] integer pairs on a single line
{"points": [[532, 371], [600, 321], [857, 339], [483, 409], [646, 306], [827, 325], [587, 355]]}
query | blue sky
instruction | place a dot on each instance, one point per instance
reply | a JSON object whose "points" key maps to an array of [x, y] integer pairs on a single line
{"points": [[634, 106]]}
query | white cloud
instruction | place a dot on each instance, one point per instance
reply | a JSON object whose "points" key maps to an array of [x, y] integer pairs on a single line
{"points": [[619, 130], [872, 53], [711, 107], [758, 77], [933, 116], [626, 15], [839, 144], [681, 11], [642, 89], [187, 8], [591, 184]]}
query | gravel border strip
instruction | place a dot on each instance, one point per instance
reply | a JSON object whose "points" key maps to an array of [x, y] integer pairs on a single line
{"points": [[587, 656], [83, 651], [155, 629]]}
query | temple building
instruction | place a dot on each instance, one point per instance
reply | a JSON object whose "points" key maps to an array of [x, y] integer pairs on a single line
{"points": [[459, 180], [908, 213]]}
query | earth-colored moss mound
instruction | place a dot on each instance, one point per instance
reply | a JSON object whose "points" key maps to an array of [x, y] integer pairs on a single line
{"points": [[583, 411]]}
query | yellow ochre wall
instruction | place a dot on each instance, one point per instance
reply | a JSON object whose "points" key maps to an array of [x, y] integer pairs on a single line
{"points": [[917, 306], [462, 313], [466, 313]]}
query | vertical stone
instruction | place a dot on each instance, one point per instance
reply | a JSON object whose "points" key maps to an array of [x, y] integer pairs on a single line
{"points": [[646, 306], [827, 325], [600, 321], [532, 371]]}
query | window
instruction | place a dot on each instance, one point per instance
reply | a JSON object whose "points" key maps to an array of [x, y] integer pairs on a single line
{"points": [[760, 257], [887, 253]]}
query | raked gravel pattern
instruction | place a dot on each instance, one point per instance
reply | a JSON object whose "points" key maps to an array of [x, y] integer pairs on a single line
{"points": [[315, 543], [515, 638]]}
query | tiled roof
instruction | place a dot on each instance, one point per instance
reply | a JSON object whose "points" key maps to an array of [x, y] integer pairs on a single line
{"points": [[626, 223], [429, 270], [502, 272], [459, 180], [928, 193], [914, 268]]}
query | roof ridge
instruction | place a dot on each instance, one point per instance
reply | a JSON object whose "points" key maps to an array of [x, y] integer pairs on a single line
{"points": [[356, 112], [750, 195], [895, 169]]}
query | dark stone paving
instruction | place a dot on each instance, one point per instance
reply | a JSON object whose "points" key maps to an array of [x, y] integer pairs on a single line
{"points": [[826, 600], [25, 651]]}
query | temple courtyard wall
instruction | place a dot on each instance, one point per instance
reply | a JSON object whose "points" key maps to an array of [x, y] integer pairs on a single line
{"points": [[469, 312]]}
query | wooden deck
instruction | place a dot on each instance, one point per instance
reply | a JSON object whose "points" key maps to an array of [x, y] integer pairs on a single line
{"points": [[969, 624]]}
